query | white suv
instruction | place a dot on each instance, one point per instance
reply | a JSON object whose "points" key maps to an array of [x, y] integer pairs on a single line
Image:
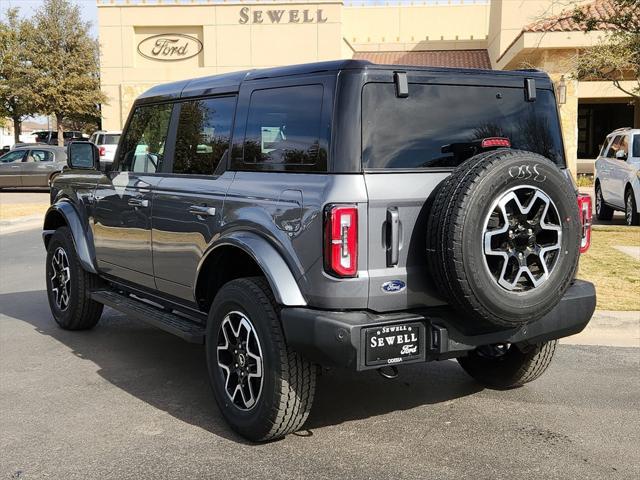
{"points": [[617, 179], [107, 143]]}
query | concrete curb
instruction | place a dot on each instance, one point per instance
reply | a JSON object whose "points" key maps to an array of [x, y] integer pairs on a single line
{"points": [[20, 224]]}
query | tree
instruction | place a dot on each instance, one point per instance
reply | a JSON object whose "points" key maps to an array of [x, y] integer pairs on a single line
{"points": [[18, 98], [66, 58], [617, 56]]}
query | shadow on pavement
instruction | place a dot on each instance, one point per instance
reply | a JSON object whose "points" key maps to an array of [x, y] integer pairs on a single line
{"points": [[171, 375]]}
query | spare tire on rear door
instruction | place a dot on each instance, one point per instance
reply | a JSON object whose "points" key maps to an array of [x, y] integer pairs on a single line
{"points": [[503, 238]]}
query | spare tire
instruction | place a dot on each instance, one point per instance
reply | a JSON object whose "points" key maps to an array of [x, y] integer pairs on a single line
{"points": [[503, 239]]}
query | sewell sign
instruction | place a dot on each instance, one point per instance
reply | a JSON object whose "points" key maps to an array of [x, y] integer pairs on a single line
{"points": [[170, 47], [281, 16]]}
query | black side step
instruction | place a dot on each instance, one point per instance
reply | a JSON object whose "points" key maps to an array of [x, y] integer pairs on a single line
{"points": [[169, 322]]}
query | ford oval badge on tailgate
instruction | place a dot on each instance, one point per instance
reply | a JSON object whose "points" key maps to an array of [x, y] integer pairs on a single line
{"points": [[393, 286]]}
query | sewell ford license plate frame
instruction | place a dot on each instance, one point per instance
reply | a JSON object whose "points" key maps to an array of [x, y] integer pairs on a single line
{"points": [[394, 344]]}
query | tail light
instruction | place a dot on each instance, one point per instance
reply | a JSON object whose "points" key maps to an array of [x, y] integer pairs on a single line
{"points": [[584, 207], [495, 142], [341, 240], [102, 151]]}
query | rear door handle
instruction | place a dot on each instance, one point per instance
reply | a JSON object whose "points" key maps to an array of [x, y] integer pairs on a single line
{"points": [[138, 202], [202, 210], [393, 238]]}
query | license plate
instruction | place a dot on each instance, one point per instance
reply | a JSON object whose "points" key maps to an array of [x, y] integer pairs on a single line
{"points": [[391, 344]]}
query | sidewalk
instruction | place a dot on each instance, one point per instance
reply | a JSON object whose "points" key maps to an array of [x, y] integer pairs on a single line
{"points": [[615, 329]]}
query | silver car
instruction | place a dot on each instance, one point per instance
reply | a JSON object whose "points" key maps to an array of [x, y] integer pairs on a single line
{"points": [[31, 166]]}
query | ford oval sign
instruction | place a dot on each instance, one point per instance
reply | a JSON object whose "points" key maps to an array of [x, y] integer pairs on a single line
{"points": [[393, 286], [170, 47]]}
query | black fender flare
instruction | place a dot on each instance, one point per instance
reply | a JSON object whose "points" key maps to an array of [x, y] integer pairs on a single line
{"points": [[82, 237], [282, 281]]}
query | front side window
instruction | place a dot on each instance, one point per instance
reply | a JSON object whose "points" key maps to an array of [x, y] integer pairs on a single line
{"points": [[143, 144], [283, 129], [615, 146], [11, 157], [204, 131], [441, 125]]}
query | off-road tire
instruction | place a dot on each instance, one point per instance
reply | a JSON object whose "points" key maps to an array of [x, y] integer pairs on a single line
{"points": [[289, 380], [519, 365], [631, 215], [603, 211], [82, 312], [455, 247]]}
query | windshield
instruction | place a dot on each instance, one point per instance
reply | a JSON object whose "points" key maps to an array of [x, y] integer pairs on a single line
{"points": [[440, 125], [111, 139]]}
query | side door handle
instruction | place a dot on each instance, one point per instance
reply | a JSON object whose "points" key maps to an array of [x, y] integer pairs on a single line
{"points": [[202, 210], [138, 202], [393, 237]]}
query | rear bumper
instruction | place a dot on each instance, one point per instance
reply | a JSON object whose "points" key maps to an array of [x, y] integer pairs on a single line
{"points": [[336, 338]]}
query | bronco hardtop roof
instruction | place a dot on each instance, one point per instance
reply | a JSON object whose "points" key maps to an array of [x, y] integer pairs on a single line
{"points": [[231, 82]]}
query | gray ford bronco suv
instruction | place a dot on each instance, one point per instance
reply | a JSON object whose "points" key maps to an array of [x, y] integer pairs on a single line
{"points": [[337, 214]]}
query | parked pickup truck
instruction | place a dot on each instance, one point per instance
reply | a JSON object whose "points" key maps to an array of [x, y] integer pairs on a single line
{"points": [[337, 214]]}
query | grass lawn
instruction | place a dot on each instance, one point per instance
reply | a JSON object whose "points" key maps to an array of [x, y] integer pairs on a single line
{"points": [[14, 211], [615, 274]]}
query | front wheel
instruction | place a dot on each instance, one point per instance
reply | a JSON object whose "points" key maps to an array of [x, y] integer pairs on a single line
{"points": [[263, 388], [68, 285], [631, 215], [603, 211], [508, 366]]}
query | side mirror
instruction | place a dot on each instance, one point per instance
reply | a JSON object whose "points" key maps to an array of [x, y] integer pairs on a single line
{"points": [[621, 155], [84, 155]]}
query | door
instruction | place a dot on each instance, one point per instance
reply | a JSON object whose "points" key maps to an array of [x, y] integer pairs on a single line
{"points": [[187, 206], [37, 167], [608, 172], [11, 168], [123, 198], [620, 171]]}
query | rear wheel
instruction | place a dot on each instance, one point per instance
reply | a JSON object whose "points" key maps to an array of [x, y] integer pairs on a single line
{"points": [[508, 366], [68, 285], [603, 211], [631, 215], [263, 388]]}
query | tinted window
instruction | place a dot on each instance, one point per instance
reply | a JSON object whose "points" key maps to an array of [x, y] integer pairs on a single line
{"points": [[283, 129], [143, 143], [15, 156], [41, 156], [636, 146], [615, 145], [440, 125], [203, 135], [110, 139]]}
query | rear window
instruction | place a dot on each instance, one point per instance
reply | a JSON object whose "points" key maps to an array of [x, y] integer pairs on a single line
{"points": [[110, 139], [437, 124]]}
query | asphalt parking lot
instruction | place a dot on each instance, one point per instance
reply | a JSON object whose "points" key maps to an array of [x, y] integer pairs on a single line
{"points": [[128, 401]]}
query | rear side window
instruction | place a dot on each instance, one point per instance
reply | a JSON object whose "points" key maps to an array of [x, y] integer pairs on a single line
{"points": [[436, 125], [41, 155], [283, 130], [636, 146], [11, 157], [143, 143], [204, 130]]}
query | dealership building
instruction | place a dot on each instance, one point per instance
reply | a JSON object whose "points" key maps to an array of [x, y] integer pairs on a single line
{"points": [[146, 42]]}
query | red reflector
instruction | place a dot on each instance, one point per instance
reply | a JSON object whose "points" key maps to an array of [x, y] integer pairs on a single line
{"points": [[341, 240], [493, 142], [585, 212], [102, 151]]}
